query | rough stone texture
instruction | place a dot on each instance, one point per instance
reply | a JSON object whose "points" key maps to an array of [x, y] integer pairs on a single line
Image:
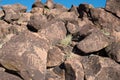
{"points": [[74, 69], [25, 53], [113, 51], [98, 68], [52, 42], [94, 42], [73, 27], [12, 12], [113, 6], [55, 32], [37, 21], [55, 57], [55, 73], [7, 76]]}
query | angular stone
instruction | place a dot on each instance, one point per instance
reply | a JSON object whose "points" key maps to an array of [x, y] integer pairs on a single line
{"points": [[38, 3], [12, 12], [37, 21], [26, 54], [113, 6], [113, 51], [74, 9], [55, 57], [54, 31], [94, 42], [100, 68], [7, 76], [49, 4], [24, 18], [73, 27], [74, 69]]}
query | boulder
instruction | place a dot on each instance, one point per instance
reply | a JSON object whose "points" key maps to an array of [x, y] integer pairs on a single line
{"points": [[12, 12], [37, 21], [38, 3], [73, 27], [73, 68], [7, 76], [55, 57], [113, 7], [55, 31], [94, 42], [113, 51], [26, 54], [100, 68]]}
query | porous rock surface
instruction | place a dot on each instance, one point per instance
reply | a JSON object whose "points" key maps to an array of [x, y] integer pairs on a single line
{"points": [[52, 42]]}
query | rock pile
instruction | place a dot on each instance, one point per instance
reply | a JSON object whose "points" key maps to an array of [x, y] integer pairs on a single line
{"points": [[52, 42]]}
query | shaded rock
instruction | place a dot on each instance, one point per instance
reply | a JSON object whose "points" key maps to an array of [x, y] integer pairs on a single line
{"points": [[49, 4], [55, 32], [73, 68], [12, 12], [100, 68], [26, 54], [55, 57], [84, 9], [113, 7], [38, 3], [56, 73], [113, 51], [37, 21], [94, 42], [7, 76]]}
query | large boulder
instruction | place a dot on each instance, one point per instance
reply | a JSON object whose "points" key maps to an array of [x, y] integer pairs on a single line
{"points": [[12, 12], [100, 68], [93, 42], [113, 7], [26, 54], [37, 21], [55, 31], [113, 51]]}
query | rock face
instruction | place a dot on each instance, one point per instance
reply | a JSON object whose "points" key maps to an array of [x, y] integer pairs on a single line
{"points": [[113, 6], [52, 42]]}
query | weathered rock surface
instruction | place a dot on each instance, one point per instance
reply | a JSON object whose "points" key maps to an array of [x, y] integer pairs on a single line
{"points": [[94, 42], [55, 57], [7, 76], [113, 51], [12, 12], [98, 68], [37, 21], [52, 42], [113, 7], [25, 54]]}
